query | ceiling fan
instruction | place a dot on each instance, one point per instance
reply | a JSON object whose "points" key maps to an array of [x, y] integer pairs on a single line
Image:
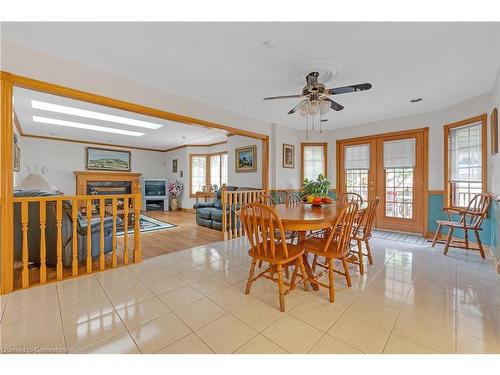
{"points": [[316, 96]]}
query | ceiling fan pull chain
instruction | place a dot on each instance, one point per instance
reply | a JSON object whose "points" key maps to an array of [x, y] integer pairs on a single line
{"points": [[320, 124], [307, 127]]}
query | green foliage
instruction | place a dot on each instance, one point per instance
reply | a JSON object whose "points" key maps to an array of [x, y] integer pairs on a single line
{"points": [[318, 187]]}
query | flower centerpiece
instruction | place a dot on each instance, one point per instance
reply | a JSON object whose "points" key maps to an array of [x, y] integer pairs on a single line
{"points": [[315, 192], [175, 190]]}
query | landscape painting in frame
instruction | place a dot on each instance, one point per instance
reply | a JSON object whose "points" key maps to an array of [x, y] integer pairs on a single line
{"points": [[108, 160], [288, 156], [246, 159]]}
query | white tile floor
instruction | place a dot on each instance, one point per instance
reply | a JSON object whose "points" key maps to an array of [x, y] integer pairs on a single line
{"points": [[412, 300]]}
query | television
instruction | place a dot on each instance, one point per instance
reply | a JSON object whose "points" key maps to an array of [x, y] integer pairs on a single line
{"points": [[154, 188]]}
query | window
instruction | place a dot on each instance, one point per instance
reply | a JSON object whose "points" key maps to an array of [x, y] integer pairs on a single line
{"points": [[208, 169], [198, 172], [465, 160], [314, 160], [218, 169], [357, 167], [399, 165]]}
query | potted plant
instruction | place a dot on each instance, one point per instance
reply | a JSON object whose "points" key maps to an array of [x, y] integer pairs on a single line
{"points": [[175, 190], [316, 191]]}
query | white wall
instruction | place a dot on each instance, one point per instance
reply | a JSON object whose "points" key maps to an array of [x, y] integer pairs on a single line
{"points": [[247, 179], [62, 158], [435, 120], [284, 178]]}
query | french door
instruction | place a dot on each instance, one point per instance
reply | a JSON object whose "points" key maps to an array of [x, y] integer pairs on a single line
{"points": [[391, 167]]}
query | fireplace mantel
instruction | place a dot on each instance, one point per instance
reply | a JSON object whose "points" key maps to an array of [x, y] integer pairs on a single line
{"points": [[83, 177]]}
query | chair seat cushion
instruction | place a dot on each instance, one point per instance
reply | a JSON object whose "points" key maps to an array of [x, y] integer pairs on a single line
{"points": [[294, 252], [206, 212]]}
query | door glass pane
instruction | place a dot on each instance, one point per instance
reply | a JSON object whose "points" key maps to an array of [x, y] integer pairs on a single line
{"points": [[356, 181], [198, 172], [399, 192]]}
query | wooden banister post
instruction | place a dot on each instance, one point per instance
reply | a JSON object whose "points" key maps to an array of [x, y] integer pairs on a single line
{"points": [[25, 281], [223, 197], [137, 228], [59, 265]]}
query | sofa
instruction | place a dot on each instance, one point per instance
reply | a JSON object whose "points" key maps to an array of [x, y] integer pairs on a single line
{"points": [[209, 214], [51, 232]]}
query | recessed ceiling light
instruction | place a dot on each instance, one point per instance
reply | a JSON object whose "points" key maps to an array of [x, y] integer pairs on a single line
{"points": [[36, 104], [78, 125], [416, 100], [268, 44]]}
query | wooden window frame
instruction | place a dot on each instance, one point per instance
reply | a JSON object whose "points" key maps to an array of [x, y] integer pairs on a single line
{"points": [[484, 153], [325, 156], [207, 169]]}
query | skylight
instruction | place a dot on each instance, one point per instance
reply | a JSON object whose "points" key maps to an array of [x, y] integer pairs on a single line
{"points": [[78, 125], [36, 104]]}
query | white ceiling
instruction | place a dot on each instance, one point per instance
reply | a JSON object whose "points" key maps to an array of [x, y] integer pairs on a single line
{"points": [[170, 135], [226, 64]]}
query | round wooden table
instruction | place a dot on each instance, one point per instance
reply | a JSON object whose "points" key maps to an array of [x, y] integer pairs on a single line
{"points": [[302, 218]]}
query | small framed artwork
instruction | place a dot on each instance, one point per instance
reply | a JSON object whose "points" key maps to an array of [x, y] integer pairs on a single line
{"points": [[246, 159], [288, 156], [108, 160], [181, 174], [174, 166], [494, 131]]}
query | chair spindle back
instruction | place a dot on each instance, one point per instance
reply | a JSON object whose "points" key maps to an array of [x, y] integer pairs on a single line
{"points": [[345, 198], [262, 224], [341, 231]]}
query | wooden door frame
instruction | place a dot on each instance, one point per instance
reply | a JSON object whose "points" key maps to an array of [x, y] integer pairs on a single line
{"points": [[425, 165], [8, 81]]}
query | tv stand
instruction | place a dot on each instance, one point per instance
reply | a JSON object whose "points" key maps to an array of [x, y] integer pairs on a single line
{"points": [[145, 201]]}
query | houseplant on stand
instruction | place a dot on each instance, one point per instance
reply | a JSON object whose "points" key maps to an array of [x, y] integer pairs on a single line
{"points": [[175, 190]]}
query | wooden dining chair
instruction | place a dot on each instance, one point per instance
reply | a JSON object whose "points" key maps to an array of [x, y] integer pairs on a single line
{"points": [[267, 200], [345, 198], [260, 223], [293, 198], [281, 196], [361, 233], [335, 246], [289, 235], [470, 218]]}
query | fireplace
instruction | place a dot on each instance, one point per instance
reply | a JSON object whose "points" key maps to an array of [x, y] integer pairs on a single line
{"points": [[109, 187]]}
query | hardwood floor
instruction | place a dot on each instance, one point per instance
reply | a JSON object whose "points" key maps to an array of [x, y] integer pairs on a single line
{"points": [[187, 235]]}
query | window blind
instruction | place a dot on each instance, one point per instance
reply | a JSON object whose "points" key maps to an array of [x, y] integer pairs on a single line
{"points": [[400, 153], [314, 161], [465, 154], [357, 157]]}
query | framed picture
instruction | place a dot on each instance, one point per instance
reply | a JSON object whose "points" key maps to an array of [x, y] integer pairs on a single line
{"points": [[288, 156], [107, 160], [17, 158], [174, 166], [494, 131], [246, 159]]}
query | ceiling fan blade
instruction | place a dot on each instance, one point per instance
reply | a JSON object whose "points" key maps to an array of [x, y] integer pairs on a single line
{"points": [[282, 97], [298, 106], [347, 89], [334, 105]]}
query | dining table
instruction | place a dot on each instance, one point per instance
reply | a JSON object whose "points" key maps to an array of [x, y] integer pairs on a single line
{"points": [[302, 218]]}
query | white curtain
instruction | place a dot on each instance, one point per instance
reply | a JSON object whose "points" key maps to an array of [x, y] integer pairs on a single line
{"points": [[400, 153], [357, 157], [465, 154]]}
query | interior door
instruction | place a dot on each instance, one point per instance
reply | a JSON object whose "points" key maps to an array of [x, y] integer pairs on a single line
{"points": [[390, 167]]}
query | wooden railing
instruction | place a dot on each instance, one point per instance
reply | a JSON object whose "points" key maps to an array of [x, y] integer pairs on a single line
{"points": [[77, 211], [232, 201]]}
